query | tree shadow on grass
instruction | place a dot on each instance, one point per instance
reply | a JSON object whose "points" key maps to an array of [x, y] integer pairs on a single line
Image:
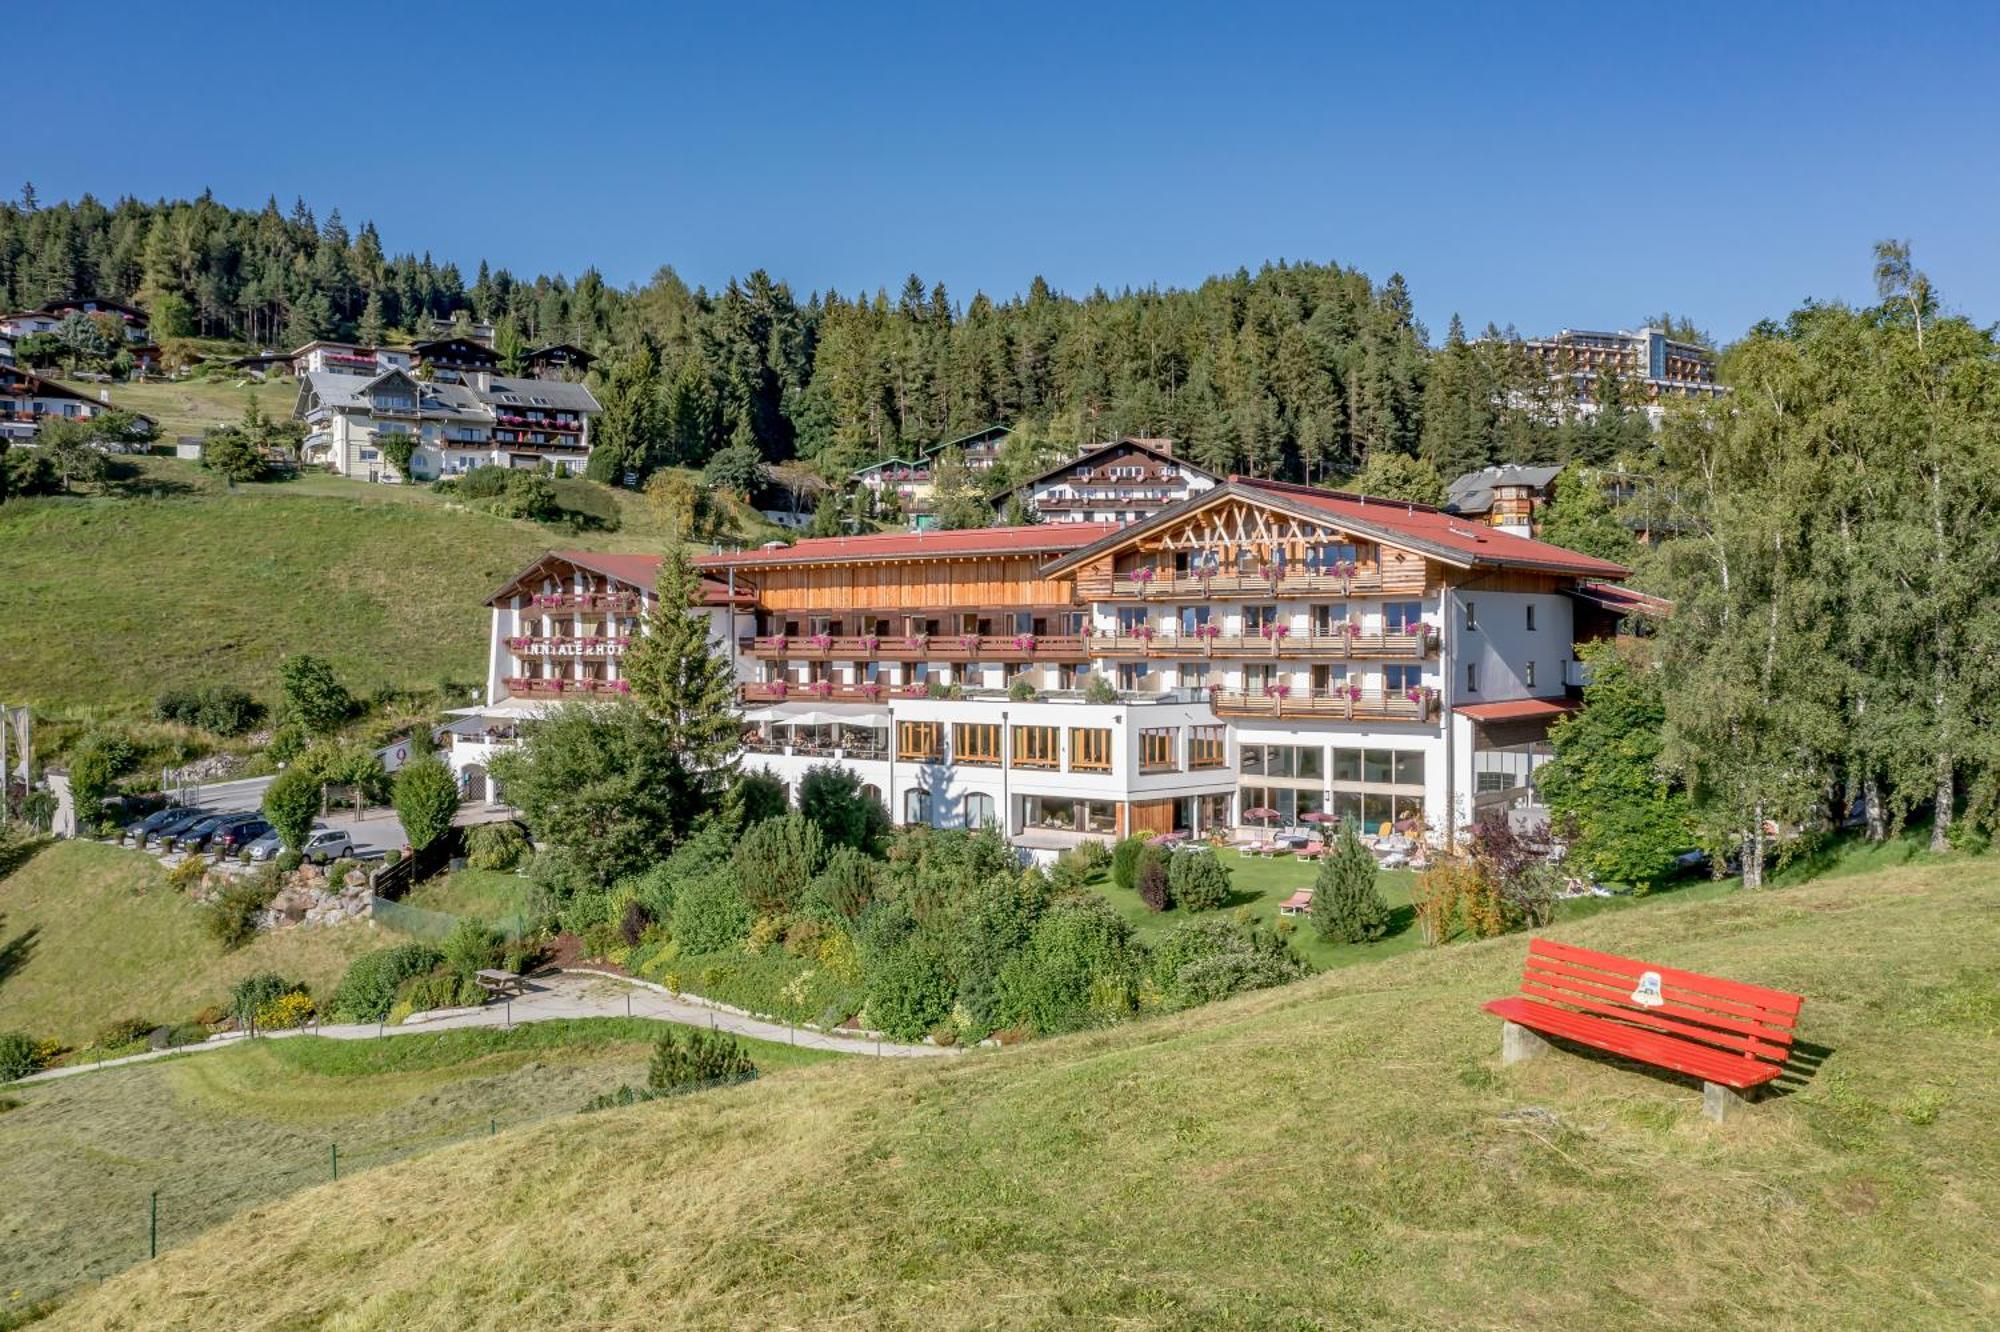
{"points": [[127, 480], [16, 952]]}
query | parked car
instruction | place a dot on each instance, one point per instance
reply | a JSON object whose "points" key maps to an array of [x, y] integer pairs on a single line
{"points": [[153, 822], [267, 846], [198, 836], [173, 829], [236, 836], [324, 844]]}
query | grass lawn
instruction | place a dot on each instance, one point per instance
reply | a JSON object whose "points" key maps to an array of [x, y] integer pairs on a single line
{"points": [[489, 895], [188, 407], [216, 1133], [90, 934], [1344, 1151]]}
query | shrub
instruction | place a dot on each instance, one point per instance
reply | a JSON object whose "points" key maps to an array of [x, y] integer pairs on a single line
{"points": [[187, 876], [288, 861], [910, 991], [472, 946], [291, 803], [123, 1031], [223, 709], [433, 989], [289, 1010], [1125, 862], [632, 926], [1198, 880], [685, 1061], [232, 916], [17, 1056], [831, 796], [1097, 689], [1155, 889], [756, 796], [1347, 906], [1440, 893], [368, 991], [495, 846], [1022, 690], [776, 859], [1080, 968], [254, 991], [1200, 961], [393, 856], [1088, 857], [426, 797], [844, 888], [710, 913]]}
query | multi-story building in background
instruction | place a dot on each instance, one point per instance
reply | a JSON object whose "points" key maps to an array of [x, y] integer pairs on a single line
{"points": [[1122, 481], [27, 400], [1258, 654], [1653, 366]]}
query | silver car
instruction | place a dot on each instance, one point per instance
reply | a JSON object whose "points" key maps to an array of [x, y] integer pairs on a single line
{"points": [[266, 847]]}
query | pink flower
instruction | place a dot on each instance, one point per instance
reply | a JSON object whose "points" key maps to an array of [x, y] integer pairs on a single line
{"points": [[821, 642], [1354, 693], [1024, 642], [778, 641], [1144, 633], [1143, 574]]}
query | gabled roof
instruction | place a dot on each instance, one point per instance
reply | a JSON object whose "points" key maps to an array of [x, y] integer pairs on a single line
{"points": [[1159, 450], [640, 571], [1473, 492], [557, 394], [1624, 600], [560, 350], [968, 437], [83, 302], [1415, 527], [1037, 539]]}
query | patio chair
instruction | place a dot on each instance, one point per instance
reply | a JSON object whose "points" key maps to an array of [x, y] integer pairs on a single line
{"points": [[1297, 904]]}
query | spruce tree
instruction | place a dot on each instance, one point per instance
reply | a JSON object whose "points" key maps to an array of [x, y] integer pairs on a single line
{"points": [[685, 685], [1347, 906]]}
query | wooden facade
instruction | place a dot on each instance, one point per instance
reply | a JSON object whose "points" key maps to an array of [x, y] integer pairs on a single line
{"points": [[995, 581]]}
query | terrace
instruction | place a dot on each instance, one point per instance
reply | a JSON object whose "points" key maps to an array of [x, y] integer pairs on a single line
{"points": [[533, 686], [1414, 644], [1341, 703], [918, 647], [1145, 584]]}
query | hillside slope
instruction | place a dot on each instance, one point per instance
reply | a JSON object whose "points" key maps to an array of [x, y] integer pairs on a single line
{"points": [[1344, 1152]]}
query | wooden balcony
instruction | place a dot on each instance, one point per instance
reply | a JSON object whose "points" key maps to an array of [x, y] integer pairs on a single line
{"points": [[528, 686], [1393, 645], [622, 603], [936, 647], [1337, 704], [825, 691], [568, 646], [1235, 586]]}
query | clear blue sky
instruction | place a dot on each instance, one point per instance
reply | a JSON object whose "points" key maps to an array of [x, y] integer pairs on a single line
{"points": [[1536, 165]]}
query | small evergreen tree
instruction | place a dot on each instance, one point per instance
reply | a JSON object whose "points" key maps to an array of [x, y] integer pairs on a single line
{"points": [[291, 803], [1347, 906], [686, 686], [426, 798], [1155, 887], [1198, 880]]}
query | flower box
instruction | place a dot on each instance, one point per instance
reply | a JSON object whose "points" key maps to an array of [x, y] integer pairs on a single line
{"points": [[1024, 642]]}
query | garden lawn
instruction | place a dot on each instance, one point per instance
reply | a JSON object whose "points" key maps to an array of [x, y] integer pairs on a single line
{"points": [[217, 1132], [1345, 1151], [91, 934], [190, 406], [494, 896]]}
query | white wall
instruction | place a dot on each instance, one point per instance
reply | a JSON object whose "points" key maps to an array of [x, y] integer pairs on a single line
{"points": [[1502, 644]]}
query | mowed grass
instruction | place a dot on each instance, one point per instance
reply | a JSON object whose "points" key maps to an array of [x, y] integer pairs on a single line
{"points": [[118, 598], [217, 1132], [188, 407], [90, 934], [1344, 1152], [488, 895]]}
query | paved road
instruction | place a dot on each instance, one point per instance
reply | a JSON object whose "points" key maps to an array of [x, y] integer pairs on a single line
{"points": [[552, 998], [374, 831]]}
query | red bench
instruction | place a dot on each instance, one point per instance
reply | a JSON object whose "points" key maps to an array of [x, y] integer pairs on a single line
{"points": [[1734, 1037]]}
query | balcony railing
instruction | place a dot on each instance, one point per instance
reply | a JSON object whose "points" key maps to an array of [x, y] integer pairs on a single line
{"points": [[1343, 703], [825, 691], [529, 686], [624, 602], [934, 647], [1292, 582], [568, 646], [1395, 643]]}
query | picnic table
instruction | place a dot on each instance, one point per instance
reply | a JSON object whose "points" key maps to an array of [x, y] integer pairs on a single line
{"points": [[500, 984]]}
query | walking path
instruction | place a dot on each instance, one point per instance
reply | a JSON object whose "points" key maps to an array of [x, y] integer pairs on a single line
{"points": [[552, 999]]}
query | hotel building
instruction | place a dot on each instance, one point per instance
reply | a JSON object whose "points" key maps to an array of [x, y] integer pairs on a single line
{"points": [[1252, 655]]}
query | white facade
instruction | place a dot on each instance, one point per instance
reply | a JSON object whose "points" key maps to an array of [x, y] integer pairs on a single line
{"points": [[480, 420]]}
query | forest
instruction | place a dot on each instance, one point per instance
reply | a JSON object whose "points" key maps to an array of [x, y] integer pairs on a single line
{"points": [[1303, 371]]}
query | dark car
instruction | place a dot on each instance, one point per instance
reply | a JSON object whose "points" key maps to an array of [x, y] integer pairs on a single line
{"points": [[197, 836], [180, 823], [153, 822], [236, 836]]}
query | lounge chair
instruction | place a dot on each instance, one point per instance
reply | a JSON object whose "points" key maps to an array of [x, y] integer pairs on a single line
{"points": [[1297, 904]]}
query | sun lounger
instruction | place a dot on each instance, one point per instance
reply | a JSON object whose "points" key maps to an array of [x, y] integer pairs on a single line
{"points": [[1297, 904]]}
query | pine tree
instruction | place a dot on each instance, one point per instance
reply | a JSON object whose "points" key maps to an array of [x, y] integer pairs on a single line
{"points": [[373, 330], [1347, 906], [685, 685]]}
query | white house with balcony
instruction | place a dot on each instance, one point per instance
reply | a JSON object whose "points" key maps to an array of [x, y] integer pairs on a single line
{"points": [[455, 424]]}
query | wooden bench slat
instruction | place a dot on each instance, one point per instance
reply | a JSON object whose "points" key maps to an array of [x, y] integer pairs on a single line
{"points": [[1695, 982], [1723, 1042], [1559, 977], [1695, 1060]]}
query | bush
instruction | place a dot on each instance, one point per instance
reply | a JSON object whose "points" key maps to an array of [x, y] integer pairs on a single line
{"points": [[776, 859], [756, 796], [1155, 889], [844, 888], [124, 1031], [910, 991], [288, 861], [1125, 862], [472, 946], [710, 913], [831, 796], [632, 925], [1198, 880], [434, 989], [495, 846], [393, 856], [368, 991], [232, 916], [254, 991], [684, 1061], [17, 1056], [289, 1010], [426, 798], [223, 709], [1201, 961], [1080, 968], [1087, 857], [1347, 906], [187, 876]]}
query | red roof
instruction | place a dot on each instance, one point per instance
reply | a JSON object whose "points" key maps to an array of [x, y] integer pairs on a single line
{"points": [[1517, 709], [640, 571], [1038, 539], [1475, 543]]}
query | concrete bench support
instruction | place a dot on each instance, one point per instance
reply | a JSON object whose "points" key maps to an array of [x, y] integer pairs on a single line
{"points": [[1719, 1102], [1518, 1043]]}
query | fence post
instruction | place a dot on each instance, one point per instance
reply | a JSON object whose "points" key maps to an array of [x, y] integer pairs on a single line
{"points": [[334, 1150], [153, 1225], [493, 1128], [628, 1003], [510, 1014]]}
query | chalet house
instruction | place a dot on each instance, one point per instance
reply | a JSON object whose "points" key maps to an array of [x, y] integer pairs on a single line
{"points": [[27, 400], [1510, 498], [1257, 653], [346, 358], [1123, 481], [558, 361], [134, 324], [463, 416]]}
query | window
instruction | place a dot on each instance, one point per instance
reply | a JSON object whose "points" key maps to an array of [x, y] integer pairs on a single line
{"points": [[1471, 677], [1156, 749], [1328, 620], [1531, 617], [1208, 747], [1471, 616], [1037, 747], [1409, 767], [976, 742], [1398, 679], [1193, 618], [979, 810], [1528, 672], [1403, 617], [1256, 617], [1131, 619], [916, 805], [919, 740], [1098, 816], [1132, 675], [1089, 749], [1377, 766], [1213, 811]]}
